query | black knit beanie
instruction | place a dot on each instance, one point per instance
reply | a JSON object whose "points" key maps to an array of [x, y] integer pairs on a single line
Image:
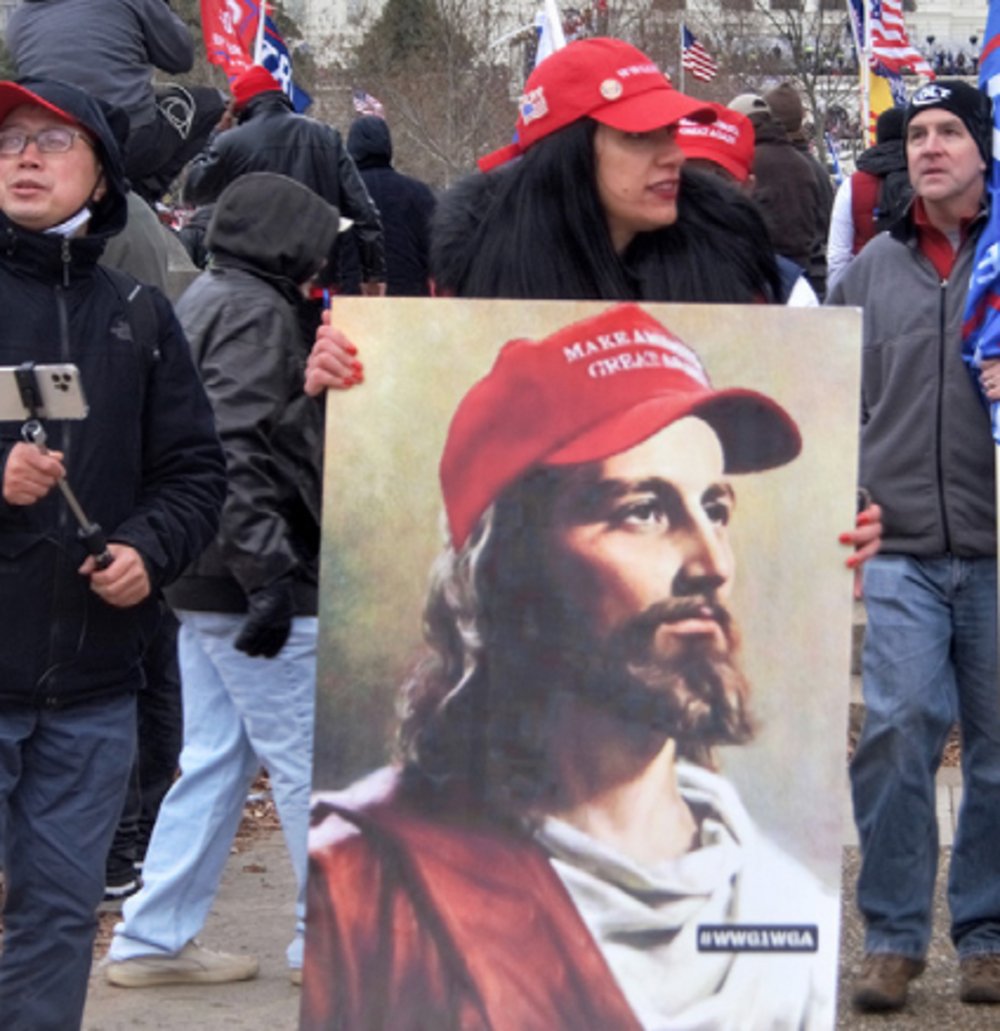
{"points": [[969, 103]]}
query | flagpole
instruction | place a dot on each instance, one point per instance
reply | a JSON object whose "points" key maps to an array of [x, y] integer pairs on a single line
{"points": [[866, 75], [680, 40], [258, 48], [555, 25]]}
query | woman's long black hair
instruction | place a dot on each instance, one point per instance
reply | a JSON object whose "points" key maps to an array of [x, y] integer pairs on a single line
{"points": [[536, 229]]}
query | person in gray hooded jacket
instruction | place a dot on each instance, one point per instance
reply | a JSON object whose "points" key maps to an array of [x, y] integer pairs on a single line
{"points": [[930, 652], [247, 607]]}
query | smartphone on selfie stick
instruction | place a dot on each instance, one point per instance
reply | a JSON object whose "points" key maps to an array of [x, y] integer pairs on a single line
{"points": [[31, 393]]}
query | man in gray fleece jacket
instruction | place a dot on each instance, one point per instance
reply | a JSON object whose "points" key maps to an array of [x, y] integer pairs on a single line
{"points": [[930, 654]]}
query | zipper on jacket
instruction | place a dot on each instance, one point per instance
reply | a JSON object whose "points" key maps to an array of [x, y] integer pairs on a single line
{"points": [[62, 317], [66, 258], [939, 443]]}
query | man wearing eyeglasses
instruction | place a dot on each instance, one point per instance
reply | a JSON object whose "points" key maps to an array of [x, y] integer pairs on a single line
{"points": [[145, 465]]}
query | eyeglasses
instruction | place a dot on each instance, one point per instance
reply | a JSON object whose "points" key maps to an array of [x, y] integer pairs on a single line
{"points": [[54, 140]]}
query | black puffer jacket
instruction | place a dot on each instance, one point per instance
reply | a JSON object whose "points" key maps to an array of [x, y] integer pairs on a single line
{"points": [[268, 234], [271, 137], [145, 464]]}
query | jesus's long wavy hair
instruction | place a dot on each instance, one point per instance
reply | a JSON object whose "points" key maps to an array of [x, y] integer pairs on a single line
{"points": [[475, 712], [477, 715]]}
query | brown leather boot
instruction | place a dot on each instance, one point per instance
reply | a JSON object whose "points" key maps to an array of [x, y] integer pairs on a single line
{"points": [[980, 978], [884, 980]]}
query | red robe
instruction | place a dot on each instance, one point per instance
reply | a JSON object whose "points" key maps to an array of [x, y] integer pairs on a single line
{"points": [[437, 923]]}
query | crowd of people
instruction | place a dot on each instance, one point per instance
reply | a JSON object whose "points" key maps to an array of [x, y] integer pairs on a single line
{"points": [[175, 631]]}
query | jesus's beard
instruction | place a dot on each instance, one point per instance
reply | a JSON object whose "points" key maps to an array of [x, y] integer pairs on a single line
{"points": [[696, 694]]}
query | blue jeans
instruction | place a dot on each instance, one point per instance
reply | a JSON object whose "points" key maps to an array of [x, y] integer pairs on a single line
{"points": [[930, 657], [63, 774], [239, 712]]}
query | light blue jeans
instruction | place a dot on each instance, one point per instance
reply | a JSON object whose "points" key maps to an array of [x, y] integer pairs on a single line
{"points": [[239, 713], [930, 657]]}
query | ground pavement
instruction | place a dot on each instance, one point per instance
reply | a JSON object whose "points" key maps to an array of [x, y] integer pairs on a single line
{"points": [[254, 913]]}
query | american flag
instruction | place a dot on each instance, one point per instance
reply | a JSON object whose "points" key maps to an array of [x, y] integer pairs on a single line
{"points": [[366, 104], [981, 328], [891, 51], [695, 58]]}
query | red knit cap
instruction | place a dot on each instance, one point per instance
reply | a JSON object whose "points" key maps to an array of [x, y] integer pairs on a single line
{"points": [[255, 80]]}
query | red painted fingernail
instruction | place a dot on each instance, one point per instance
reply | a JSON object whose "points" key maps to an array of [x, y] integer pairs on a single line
{"points": [[844, 538]]}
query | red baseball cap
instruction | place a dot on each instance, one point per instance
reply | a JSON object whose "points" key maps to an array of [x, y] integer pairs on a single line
{"points": [[600, 78], [252, 82], [728, 141], [591, 390], [13, 95]]}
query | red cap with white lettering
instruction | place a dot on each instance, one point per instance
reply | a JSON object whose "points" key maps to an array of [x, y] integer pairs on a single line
{"points": [[727, 142], [591, 390], [600, 78]]}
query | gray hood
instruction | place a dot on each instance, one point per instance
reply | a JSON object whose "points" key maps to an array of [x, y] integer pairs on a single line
{"points": [[273, 225]]}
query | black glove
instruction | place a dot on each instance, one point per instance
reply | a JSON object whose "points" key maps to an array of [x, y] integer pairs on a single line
{"points": [[269, 620]]}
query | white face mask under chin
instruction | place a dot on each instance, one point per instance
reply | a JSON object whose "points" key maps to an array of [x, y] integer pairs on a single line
{"points": [[72, 225]]}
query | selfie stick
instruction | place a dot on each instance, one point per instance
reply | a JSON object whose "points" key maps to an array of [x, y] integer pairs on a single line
{"points": [[90, 533]]}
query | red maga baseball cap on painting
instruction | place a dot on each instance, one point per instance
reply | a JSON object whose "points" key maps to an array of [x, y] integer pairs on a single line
{"points": [[600, 78], [589, 391], [728, 141]]}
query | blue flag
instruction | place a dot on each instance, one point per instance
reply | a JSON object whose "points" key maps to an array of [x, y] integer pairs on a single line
{"points": [[276, 59], [834, 152], [981, 327]]}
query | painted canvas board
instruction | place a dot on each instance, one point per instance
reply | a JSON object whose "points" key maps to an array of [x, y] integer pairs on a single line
{"points": [[462, 904]]}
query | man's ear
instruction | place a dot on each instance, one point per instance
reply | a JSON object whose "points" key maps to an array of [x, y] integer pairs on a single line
{"points": [[100, 190]]}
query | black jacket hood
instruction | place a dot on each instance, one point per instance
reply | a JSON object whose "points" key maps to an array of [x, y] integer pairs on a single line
{"points": [[369, 142], [883, 158], [109, 127], [272, 225]]}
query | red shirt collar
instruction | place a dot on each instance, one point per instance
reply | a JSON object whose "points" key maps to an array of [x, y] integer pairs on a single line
{"points": [[933, 244]]}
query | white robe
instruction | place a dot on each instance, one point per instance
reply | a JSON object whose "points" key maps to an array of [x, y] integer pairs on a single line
{"points": [[648, 921]]}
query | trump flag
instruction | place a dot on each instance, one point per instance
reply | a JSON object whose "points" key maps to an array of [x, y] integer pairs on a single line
{"points": [[232, 32]]}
